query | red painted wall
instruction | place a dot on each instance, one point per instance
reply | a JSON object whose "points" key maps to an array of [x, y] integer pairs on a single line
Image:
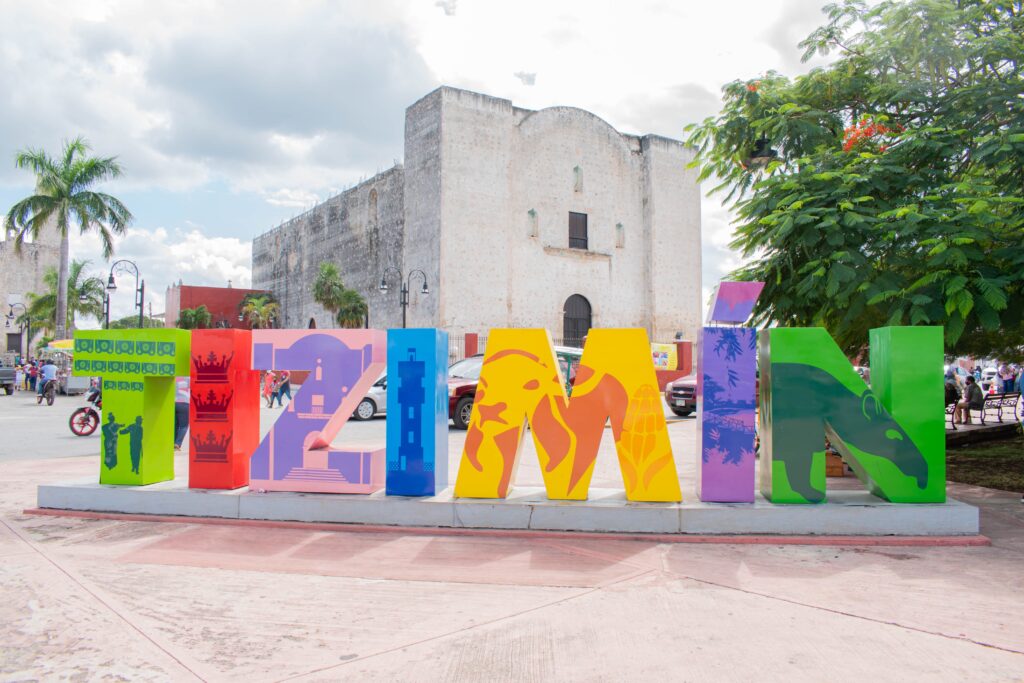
{"points": [[222, 303]]}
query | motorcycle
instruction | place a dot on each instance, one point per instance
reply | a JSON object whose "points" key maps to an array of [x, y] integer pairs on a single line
{"points": [[49, 392], [86, 419]]}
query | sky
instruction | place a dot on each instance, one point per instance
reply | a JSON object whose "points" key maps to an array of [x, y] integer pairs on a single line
{"points": [[229, 117]]}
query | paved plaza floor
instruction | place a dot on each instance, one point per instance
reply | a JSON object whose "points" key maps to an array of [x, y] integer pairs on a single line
{"points": [[101, 599]]}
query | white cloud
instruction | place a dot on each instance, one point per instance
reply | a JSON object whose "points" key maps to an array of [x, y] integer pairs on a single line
{"points": [[294, 101], [163, 257], [292, 197]]}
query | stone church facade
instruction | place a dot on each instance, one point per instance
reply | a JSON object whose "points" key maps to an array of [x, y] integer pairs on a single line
{"points": [[517, 218], [21, 274]]}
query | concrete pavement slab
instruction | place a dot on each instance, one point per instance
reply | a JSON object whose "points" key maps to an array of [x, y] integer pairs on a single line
{"points": [[107, 599]]}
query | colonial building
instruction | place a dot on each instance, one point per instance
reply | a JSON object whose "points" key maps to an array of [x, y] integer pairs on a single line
{"points": [[515, 218], [20, 274]]}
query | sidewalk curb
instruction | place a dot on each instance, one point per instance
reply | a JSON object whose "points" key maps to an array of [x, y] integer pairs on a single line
{"points": [[890, 541]]}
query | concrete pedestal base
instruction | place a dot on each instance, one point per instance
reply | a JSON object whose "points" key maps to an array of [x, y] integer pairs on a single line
{"points": [[845, 513]]}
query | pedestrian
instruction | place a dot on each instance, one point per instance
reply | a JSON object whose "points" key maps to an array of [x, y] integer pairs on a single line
{"points": [[952, 393], [19, 377], [284, 387], [33, 375], [1006, 375], [268, 387], [973, 400], [181, 401]]}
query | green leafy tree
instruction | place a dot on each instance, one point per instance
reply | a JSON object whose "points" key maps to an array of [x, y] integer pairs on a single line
{"points": [[197, 318], [328, 288], [346, 305], [85, 298], [260, 311], [42, 343], [64, 198], [887, 187], [131, 322], [352, 309]]}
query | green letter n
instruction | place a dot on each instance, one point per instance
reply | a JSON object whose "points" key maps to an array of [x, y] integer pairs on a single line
{"points": [[892, 434]]}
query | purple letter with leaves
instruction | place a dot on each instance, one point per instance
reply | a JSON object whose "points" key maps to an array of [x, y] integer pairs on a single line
{"points": [[727, 399]]}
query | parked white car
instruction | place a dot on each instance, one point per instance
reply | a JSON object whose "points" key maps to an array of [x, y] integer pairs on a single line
{"points": [[375, 402]]}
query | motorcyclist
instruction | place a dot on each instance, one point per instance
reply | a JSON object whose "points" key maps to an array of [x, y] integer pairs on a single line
{"points": [[47, 372]]}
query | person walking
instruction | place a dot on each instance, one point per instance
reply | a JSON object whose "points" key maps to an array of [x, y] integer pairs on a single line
{"points": [[181, 402], [973, 400], [1006, 375], [284, 386], [268, 388], [33, 375]]}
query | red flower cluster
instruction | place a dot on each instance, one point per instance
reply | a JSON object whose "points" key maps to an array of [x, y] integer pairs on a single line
{"points": [[752, 87], [866, 130]]}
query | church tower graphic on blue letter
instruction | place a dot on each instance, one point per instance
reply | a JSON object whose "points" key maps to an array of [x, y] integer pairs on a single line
{"points": [[417, 426]]}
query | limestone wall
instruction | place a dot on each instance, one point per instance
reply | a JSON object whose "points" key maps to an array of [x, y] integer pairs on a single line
{"points": [[360, 230], [482, 208], [23, 273], [510, 177]]}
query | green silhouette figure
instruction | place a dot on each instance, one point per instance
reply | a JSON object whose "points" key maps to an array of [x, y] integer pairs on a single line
{"points": [[134, 432], [109, 432]]}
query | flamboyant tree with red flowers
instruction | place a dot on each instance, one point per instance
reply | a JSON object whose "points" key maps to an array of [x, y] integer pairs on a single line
{"points": [[887, 187]]}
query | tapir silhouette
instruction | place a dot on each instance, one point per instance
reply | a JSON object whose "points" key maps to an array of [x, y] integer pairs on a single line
{"points": [[805, 399]]}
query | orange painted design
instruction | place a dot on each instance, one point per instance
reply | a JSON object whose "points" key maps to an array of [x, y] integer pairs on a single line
{"points": [[522, 383]]}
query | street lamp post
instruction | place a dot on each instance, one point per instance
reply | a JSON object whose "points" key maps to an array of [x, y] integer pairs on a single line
{"points": [[140, 287], [405, 281], [28, 325]]}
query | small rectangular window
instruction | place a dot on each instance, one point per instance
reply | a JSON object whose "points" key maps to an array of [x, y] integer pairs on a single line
{"points": [[577, 230]]}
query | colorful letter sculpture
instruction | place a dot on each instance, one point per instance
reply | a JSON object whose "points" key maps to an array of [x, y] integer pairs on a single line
{"points": [[296, 454], [417, 429], [727, 398], [137, 368], [733, 302], [892, 434], [726, 410], [224, 410], [520, 381]]}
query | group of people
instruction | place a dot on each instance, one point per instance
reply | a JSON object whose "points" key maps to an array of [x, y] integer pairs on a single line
{"points": [[34, 374], [1008, 379], [276, 385]]}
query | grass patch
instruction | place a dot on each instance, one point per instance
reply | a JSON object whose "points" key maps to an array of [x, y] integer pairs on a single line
{"points": [[993, 464]]}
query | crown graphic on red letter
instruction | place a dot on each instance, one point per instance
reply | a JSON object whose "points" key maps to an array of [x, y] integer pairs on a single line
{"points": [[212, 369], [212, 408], [211, 449]]}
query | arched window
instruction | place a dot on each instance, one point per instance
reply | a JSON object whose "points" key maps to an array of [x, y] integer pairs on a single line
{"points": [[312, 323], [576, 320]]}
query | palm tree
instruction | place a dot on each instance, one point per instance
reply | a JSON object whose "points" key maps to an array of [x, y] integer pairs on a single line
{"points": [[352, 309], [85, 297], [260, 311], [62, 196], [328, 289], [197, 318]]}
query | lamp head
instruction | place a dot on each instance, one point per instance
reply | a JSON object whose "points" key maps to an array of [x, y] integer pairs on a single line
{"points": [[383, 284], [111, 285], [425, 290]]}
